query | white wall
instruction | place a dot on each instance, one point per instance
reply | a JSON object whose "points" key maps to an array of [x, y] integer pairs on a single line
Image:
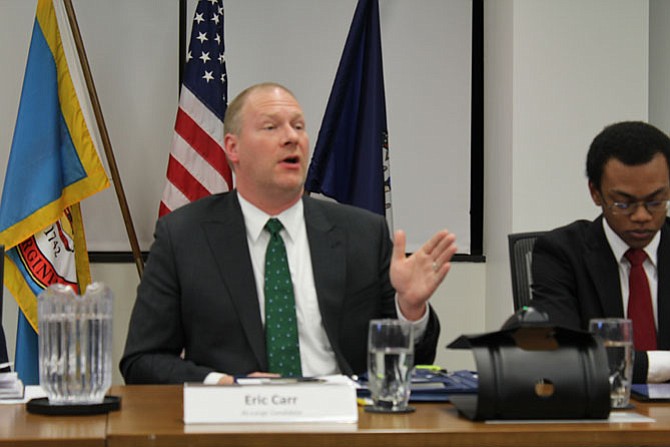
{"points": [[659, 64], [498, 156], [556, 73]]}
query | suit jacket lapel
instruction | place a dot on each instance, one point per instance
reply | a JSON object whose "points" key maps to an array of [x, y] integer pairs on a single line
{"points": [[603, 269], [327, 249], [663, 298], [227, 236]]}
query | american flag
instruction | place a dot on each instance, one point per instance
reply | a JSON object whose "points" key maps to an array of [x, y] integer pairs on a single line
{"points": [[197, 165]]}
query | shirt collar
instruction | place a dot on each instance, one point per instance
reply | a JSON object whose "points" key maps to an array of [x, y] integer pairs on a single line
{"points": [[619, 247], [255, 219]]}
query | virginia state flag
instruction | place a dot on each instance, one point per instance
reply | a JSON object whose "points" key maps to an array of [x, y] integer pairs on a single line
{"points": [[53, 165], [350, 162]]}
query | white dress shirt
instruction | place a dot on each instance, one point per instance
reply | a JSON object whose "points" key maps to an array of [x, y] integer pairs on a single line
{"points": [[659, 361], [316, 353]]}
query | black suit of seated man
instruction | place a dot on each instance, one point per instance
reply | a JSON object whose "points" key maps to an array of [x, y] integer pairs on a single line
{"points": [[576, 275]]}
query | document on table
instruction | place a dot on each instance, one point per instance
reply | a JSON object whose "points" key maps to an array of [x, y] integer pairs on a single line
{"points": [[30, 392], [11, 387], [616, 417], [651, 391]]}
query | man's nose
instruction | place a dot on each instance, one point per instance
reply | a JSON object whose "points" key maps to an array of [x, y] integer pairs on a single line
{"points": [[290, 134], [641, 213]]}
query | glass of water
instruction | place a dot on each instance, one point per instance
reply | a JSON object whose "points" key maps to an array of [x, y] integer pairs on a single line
{"points": [[390, 364], [617, 336]]}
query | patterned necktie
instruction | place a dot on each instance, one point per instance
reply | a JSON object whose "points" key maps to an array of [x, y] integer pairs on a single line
{"points": [[281, 323], [640, 310]]}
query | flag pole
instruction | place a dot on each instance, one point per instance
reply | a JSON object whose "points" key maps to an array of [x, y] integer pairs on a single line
{"points": [[106, 143]]}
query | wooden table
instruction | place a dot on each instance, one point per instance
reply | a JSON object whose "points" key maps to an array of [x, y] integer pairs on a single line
{"points": [[20, 428], [152, 415]]}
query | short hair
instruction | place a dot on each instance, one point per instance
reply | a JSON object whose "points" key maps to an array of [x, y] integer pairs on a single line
{"points": [[232, 122], [631, 142]]}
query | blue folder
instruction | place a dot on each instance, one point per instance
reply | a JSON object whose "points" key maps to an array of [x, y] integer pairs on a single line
{"points": [[433, 386]]}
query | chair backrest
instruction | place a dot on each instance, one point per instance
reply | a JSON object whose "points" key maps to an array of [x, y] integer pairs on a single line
{"points": [[520, 260]]}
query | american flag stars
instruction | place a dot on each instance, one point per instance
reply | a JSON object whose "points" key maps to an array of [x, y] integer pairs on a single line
{"points": [[207, 52]]}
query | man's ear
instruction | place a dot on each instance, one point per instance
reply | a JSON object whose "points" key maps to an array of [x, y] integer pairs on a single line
{"points": [[230, 147], [595, 194]]}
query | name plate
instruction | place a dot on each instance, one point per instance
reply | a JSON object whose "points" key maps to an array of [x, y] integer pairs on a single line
{"points": [[271, 401]]}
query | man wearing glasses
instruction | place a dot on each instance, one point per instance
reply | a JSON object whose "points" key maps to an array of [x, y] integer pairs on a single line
{"points": [[583, 270]]}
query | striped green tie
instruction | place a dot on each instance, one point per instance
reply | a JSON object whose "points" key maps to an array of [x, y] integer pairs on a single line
{"points": [[281, 323]]}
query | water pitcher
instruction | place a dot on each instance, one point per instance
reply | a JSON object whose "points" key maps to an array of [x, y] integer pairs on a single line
{"points": [[75, 344]]}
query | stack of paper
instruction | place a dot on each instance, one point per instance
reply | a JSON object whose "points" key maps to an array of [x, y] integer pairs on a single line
{"points": [[11, 387]]}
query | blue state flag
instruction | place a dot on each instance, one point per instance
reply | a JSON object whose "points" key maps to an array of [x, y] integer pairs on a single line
{"points": [[351, 161], [53, 165]]}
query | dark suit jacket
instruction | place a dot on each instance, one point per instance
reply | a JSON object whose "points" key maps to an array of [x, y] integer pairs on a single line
{"points": [[3, 343], [576, 278], [3, 346], [198, 292]]}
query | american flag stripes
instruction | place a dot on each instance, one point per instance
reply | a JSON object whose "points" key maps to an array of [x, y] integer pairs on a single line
{"points": [[197, 166]]}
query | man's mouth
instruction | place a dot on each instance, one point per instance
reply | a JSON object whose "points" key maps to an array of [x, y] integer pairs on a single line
{"points": [[640, 234], [291, 160]]}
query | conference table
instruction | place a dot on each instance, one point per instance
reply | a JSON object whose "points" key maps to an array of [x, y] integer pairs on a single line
{"points": [[151, 415]]}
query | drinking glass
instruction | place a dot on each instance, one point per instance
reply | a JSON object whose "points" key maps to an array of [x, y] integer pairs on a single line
{"points": [[75, 344], [617, 336], [390, 364]]}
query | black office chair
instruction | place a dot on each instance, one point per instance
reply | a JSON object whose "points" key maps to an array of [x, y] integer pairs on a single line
{"points": [[520, 260]]}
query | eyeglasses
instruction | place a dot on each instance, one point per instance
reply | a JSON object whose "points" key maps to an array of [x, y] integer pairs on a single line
{"points": [[628, 208]]}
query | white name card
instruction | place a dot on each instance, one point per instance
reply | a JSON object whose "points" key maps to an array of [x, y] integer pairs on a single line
{"points": [[331, 400]]}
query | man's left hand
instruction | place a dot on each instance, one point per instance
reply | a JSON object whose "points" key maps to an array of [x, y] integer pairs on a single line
{"points": [[416, 277]]}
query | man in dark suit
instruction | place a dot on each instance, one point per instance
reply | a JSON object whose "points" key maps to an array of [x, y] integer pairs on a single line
{"points": [[581, 271], [200, 313]]}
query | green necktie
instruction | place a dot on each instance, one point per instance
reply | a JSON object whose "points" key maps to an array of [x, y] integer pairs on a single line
{"points": [[281, 323]]}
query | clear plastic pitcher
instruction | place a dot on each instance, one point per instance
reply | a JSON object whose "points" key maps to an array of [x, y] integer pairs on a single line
{"points": [[75, 343]]}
